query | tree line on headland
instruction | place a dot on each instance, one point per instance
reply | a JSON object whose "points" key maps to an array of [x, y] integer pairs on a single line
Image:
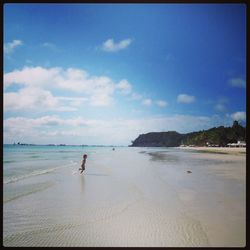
{"points": [[219, 136]]}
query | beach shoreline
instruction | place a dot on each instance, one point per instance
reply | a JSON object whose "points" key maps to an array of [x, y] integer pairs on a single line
{"points": [[225, 150]]}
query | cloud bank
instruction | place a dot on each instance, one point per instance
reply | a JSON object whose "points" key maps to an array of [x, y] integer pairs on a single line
{"points": [[55, 129]]}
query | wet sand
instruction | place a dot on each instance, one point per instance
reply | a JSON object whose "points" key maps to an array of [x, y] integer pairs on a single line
{"points": [[136, 197], [225, 150]]}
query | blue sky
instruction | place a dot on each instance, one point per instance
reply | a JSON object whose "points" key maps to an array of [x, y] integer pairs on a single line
{"points": [[105, 73]]}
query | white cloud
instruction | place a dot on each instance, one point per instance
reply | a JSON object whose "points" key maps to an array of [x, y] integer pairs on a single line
{"points": [[239, 116], [98, 90], [95, 90], [42, 130], [33, 76], [44, 122], [220, 107], [33, 98], [101, 99], [124, 86], [28, 61], [161, 103], [49, 45], [183, 98], [136, 96], [110, 46], [27, 98], [237, 82], [75, 80], [9, 47], [147, 102], [221, 104], [73, 101]]}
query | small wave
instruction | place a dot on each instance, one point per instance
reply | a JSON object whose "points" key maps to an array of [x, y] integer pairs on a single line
{"points": [[37, 188], [34, 173], [35, 156], [9, 161]]}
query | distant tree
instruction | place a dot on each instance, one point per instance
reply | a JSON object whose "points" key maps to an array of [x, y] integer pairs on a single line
{"points": [[235, 124]]}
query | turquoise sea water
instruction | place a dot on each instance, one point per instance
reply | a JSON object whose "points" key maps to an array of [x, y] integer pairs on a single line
{"points": [[32, 168], [28, 169]]}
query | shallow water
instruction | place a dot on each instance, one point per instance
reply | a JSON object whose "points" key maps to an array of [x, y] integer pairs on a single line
{"points": [[127, 197]]}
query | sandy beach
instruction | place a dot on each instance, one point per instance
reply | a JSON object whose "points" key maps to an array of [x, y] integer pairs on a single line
{"points": [[136, 197], [226, 150]]}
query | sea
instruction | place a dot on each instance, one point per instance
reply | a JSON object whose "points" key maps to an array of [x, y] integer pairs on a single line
{"points": [[24, 165]]}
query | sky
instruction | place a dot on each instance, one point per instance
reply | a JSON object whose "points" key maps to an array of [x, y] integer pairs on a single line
{"points": [[101, 74]]}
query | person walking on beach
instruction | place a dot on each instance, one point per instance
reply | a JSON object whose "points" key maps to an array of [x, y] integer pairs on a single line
{"points": [[83, 163]]}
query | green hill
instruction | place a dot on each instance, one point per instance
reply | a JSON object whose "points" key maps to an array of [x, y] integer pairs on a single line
{"points": [[220, 136], [158, 139]]}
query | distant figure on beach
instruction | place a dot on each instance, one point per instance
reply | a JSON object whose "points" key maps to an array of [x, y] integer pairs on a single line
{"points": [[83, 163], [113, 149]]}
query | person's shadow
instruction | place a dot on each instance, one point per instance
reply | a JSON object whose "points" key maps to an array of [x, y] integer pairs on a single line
{"points": [[98, 174], [82, 177]]}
